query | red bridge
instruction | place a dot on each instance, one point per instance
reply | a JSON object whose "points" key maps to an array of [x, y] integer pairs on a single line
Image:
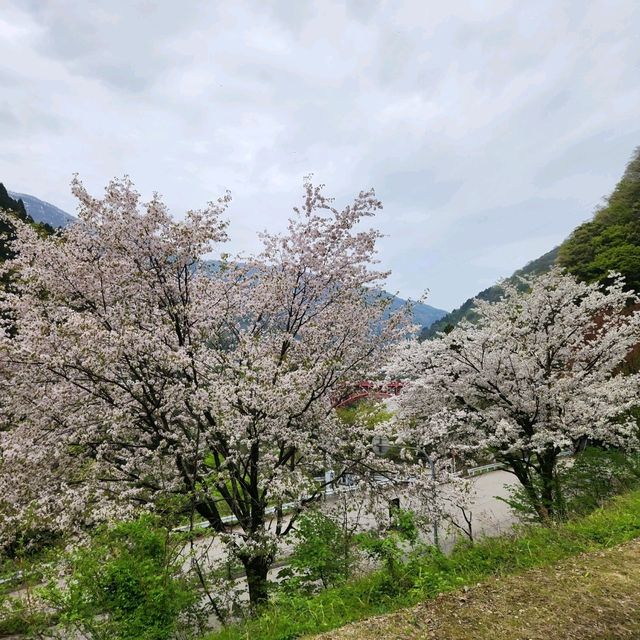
{"points": [[368, 389]]}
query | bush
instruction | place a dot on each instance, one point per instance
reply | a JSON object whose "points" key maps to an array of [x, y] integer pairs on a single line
{"points": [[322, 555], [19, 617], [125, 585], [430, 572], [391, 547], [596, 475], [31, 542], [584, 483]]}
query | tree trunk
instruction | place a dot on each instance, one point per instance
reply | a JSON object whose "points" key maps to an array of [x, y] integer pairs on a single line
{"points": [[522, 471], [540, 505], [257, 570], [549, 493]]}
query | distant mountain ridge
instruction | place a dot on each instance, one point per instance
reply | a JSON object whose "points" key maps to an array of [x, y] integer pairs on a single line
{"points": [[491, 294], [423, 315], [41, 211], [45, 212], [610, 241]]}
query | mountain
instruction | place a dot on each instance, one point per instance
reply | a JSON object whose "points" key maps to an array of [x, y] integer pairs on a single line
{"points": [[491, 294], [48, 214], [610, 241], [423, 314], [44, 212]]}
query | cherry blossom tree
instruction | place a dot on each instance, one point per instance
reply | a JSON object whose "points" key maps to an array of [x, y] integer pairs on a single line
{"points": [[538, 374], [141, 375]]}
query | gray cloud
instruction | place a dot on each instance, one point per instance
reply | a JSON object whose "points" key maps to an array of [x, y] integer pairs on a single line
{"points": [[489, 129]]}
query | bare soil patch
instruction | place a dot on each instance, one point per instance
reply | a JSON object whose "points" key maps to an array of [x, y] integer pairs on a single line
{"points": [[593, 596]]}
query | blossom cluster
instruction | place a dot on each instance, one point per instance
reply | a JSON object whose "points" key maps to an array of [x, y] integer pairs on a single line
{"points": [[138, 374], [539, 372]]}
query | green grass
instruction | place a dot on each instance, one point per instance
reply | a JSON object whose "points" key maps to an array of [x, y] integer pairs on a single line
{"points": [[431, 573], [18, 618], [591, 596]]}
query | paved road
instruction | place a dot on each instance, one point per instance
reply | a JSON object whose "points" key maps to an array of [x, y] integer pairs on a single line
{"points": [[491, 517]]}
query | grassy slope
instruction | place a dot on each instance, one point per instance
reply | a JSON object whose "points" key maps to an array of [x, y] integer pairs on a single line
{"points": [[591, 596], [434, 574]]}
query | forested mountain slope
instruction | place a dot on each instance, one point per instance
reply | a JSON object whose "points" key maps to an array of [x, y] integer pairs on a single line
{"points": [[17, 209], [491, 294], [14, 209], [44, 212], [611, 240], [608, 242]]}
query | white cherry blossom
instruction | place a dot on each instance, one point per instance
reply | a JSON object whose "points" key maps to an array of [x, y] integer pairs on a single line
{"points": [[539, 373]]}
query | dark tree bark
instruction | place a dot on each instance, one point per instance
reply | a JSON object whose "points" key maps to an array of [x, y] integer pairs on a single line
{"points": [[257, 570], [539, 481]]}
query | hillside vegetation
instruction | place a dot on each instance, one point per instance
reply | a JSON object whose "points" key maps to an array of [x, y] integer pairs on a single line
{"points": [[611, 240], [608, 242], [15, 209], [430, 574], [592, 596]]}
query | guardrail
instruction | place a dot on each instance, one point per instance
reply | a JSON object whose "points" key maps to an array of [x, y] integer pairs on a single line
{"points": [[329, 491], [18, 575]]}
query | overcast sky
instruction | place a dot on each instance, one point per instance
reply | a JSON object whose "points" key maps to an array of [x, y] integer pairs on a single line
{"points": [[489, 129]]}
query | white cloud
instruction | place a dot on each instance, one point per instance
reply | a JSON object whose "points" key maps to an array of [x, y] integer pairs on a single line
{"points": [[480, 123]]}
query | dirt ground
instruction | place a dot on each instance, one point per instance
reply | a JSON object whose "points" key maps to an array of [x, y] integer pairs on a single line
{"points": [[590, 597]]}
